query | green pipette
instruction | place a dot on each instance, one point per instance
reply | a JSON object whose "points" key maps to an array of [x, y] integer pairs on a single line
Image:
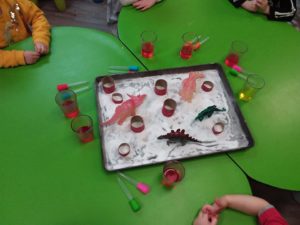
{"points": [[235, 73], [135, 206]]}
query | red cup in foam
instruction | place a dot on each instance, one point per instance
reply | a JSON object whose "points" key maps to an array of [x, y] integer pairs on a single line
{"points": [[108, 85], [218, 128], [160, 87], [207, 86], [124, 149], [169, 107], [117, 98], [137, 124]]}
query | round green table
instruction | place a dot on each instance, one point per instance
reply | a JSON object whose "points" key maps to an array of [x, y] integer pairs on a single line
{"points": [[49, 178], [273, 53]]}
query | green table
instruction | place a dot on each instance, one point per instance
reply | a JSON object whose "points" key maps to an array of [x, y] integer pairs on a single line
{"points": [[49, 178], [274, 52]]}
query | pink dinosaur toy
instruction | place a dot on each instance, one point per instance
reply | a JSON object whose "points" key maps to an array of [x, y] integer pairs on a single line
{"points": [[125, 110], [189, 86]]}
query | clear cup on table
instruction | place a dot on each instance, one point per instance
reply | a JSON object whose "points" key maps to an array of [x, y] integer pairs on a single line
{"points": [[252, 85], [83, 127], [190, 42], [237, 50], [148, 39], [67, 101]]}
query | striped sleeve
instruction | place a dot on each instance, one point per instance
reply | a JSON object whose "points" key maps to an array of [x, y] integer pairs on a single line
{"points": [[282, 10]]}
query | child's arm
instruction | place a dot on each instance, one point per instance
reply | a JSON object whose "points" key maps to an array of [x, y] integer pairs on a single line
{"points": [[249, 205], [246, 4], [12, 58], [244, 203], [39, 25], [237, 3], [140, 4], [145, 4]]}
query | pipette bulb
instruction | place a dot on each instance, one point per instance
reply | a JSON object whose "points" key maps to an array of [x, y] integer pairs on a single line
{"points": [[144, 188]]}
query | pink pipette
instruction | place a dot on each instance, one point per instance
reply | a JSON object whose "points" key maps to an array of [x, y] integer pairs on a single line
{"points": [[144, 188], [61, 87]]}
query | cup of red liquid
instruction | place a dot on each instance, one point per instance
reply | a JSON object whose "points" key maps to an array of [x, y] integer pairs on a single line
{"points": [[173, 172], [190, 41], [238, 48], [83, 127], [148, 40], [67, 101]]}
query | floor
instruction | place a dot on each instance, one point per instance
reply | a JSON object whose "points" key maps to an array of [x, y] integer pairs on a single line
{"points": [[86, 13]]}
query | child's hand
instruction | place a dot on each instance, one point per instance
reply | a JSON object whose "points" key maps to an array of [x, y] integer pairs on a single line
{"points": [[205, 219], [41, 48], [216, 207], [250, 5], [31, 57], [263, 6], [144, 4]]}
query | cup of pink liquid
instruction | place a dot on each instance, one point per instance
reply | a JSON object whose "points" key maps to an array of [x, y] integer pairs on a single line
{"points": [[83, 127], [67, 101], [148, 40], [237, 49], [173, 172], [190, 42]]}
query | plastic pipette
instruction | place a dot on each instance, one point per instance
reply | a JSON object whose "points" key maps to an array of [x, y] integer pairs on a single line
{"points": [[77, 91], [135, 206], [119, 71], [144, 188], [61, 87], [129, 68], [235, 73], [196, 39], [205, 40]]}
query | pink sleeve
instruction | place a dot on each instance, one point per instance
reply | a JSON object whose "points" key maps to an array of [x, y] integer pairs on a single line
{"points": [[271, 217]]}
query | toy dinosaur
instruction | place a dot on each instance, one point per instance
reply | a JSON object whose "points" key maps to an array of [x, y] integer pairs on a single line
{"points": [[178, 136], [125, 110], [189, 86], [208, 112]]}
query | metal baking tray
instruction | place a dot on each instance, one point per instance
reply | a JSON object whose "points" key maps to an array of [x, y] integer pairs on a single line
{"points": [[145, 147]]}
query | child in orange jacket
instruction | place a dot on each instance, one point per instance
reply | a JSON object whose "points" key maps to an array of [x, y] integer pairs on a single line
{"points": [[18, 20]]}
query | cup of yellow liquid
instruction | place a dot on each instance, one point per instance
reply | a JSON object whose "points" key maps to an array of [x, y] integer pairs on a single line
{"points": [[253, 84]]}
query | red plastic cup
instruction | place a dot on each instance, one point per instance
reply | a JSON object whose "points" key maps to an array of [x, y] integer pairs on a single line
{"points": [[108, 85], [148, 40], [160, 87], [238, 48], [124, 149], [207, 86], [190, 43], [67, 101], [83, 127], [218, 128], [117, 98], [137, 124], [169, 107], [173, 172]]}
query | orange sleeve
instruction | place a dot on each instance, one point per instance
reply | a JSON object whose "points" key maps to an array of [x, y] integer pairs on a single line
{"points": [[11, 58], [37, 20]]}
